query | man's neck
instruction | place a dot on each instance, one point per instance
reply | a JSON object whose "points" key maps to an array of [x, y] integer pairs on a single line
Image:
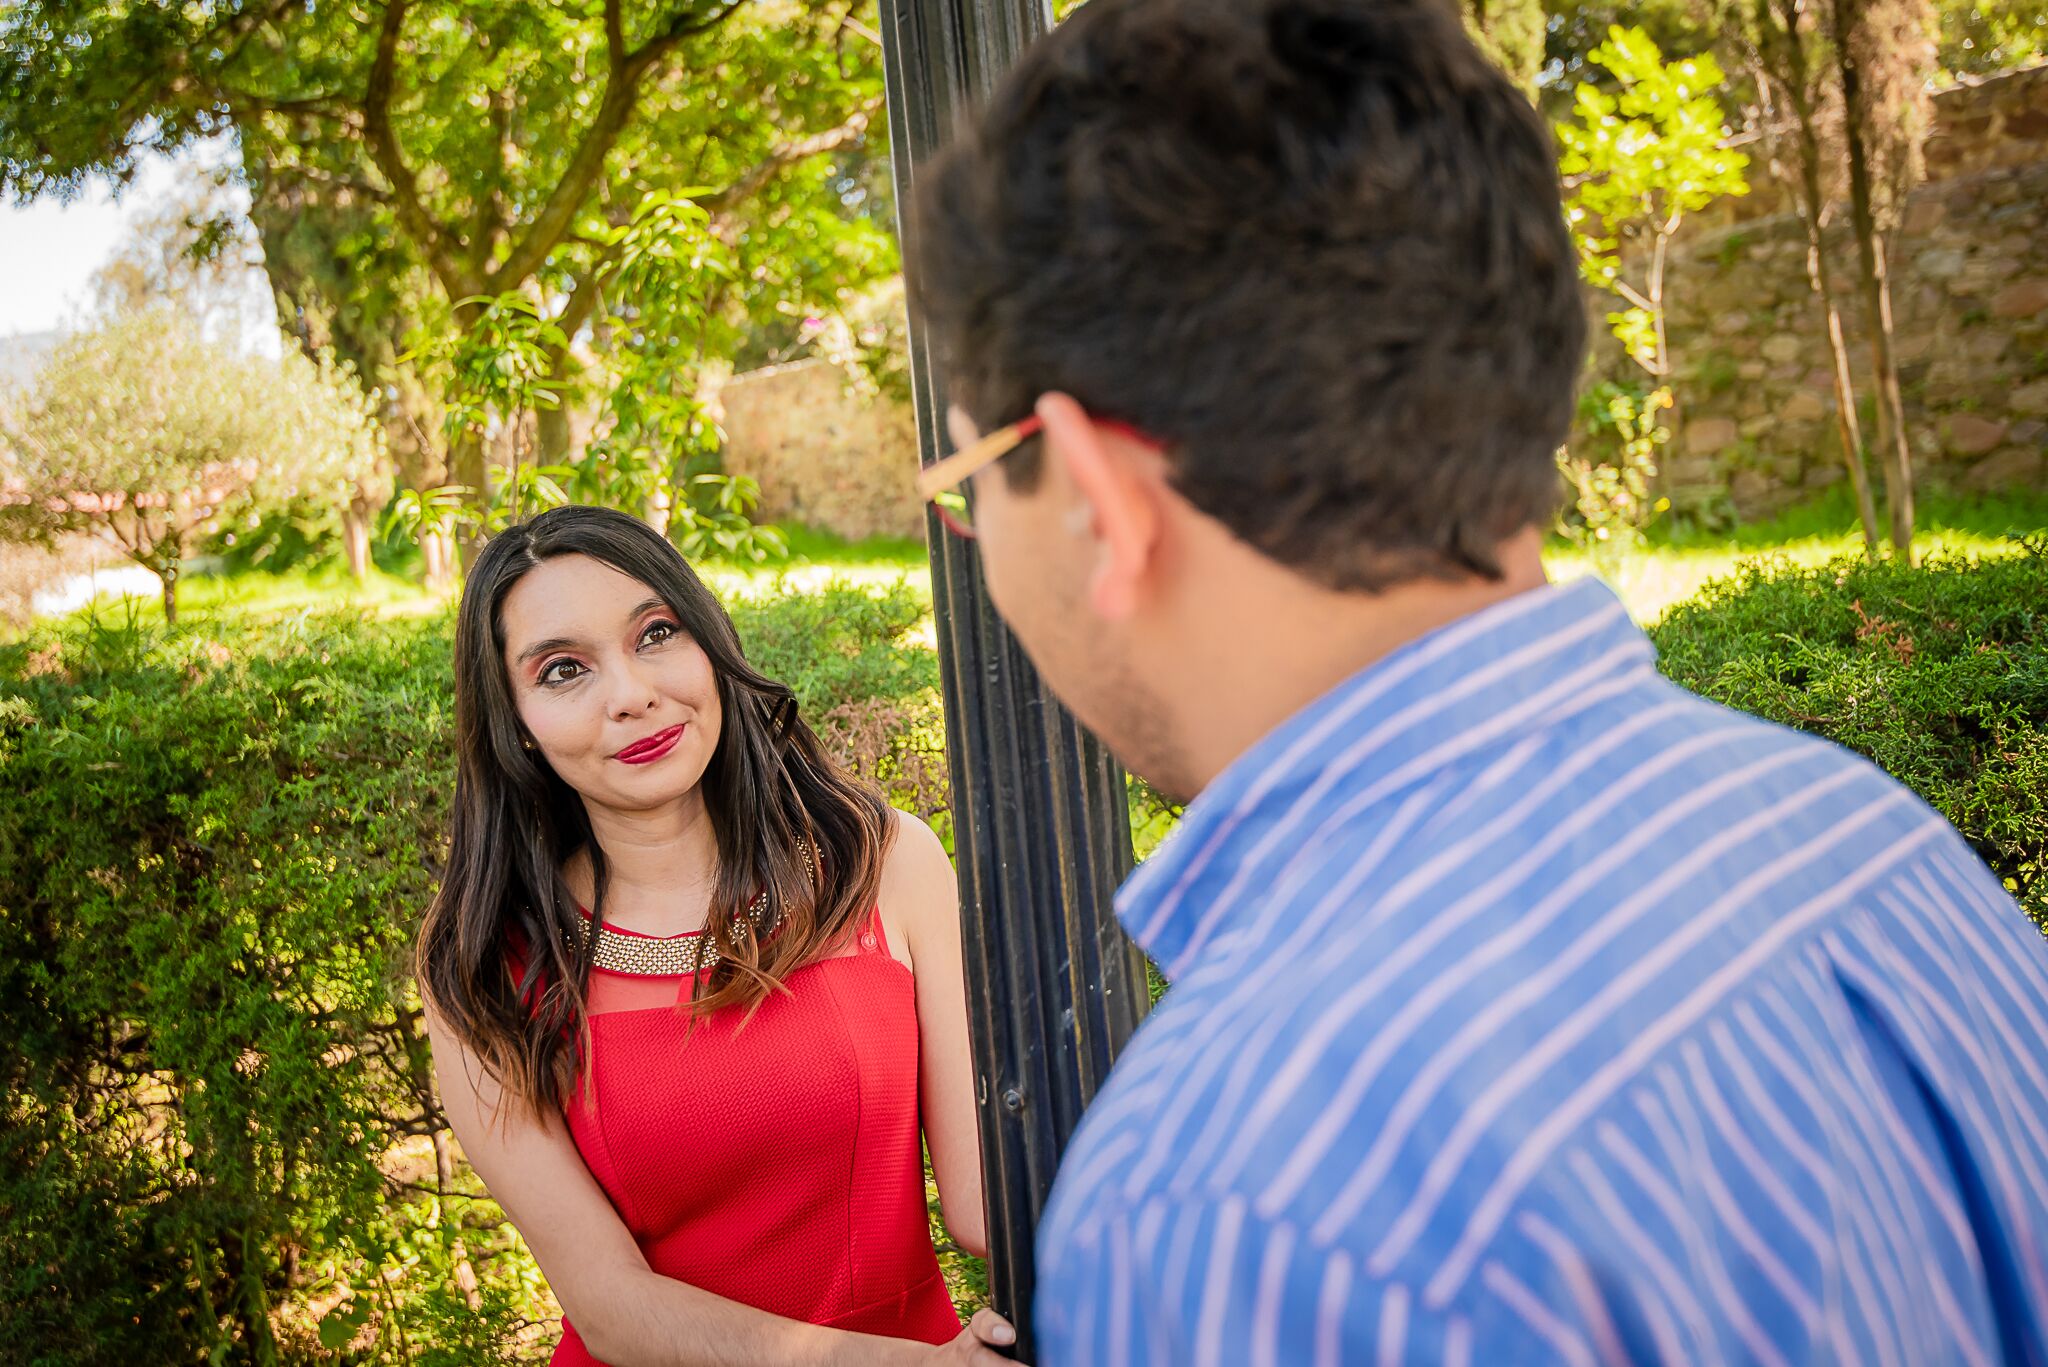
{"points": [[1272, 643]]}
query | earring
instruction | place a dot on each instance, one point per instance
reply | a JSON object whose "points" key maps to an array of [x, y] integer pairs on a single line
{"points": [[527, 744]]}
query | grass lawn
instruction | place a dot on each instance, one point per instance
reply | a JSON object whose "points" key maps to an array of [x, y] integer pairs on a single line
{"points": [[817, 557], [325, 584], [1678, 561], [1672, 567]]}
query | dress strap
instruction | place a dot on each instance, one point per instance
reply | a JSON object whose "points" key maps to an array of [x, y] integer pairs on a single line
{"points": [[874, 940]]}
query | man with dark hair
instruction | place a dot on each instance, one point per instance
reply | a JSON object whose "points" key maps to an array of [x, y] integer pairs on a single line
{"points": [[1524, 1007]]}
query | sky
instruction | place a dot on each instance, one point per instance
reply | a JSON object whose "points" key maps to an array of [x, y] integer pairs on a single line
{"points": [[49, 251]]}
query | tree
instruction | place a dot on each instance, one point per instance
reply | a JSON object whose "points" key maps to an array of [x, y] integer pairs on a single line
{"points": [[197, 251], [655, 451], [146, 434], [1786, 56], [1573, 28], [1883, 54], [1981, 37], [1640, 158], [344, 285], [1510, 32], [500, 145]]}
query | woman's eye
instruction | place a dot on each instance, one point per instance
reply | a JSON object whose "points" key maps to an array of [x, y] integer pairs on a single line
{"points": [[560, 672], [657, 633]]}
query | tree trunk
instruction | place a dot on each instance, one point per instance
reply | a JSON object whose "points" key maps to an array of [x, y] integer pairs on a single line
{"points": [[355, 538], [168, 573], [1897, 457], [554, 433], [437, 550], [468, 460], [1780, 40], [1673, 419], [1898, 450], [1847, 425], [468, 467], [551, 435], [412, 429]]}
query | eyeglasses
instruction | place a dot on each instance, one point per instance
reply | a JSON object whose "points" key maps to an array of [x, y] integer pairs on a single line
{"points": [[939, 483]]}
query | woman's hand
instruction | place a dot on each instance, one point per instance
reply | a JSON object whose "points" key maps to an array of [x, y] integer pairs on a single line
{"points": [[978, 1342]]}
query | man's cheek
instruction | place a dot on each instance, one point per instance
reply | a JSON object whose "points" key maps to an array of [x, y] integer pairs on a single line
{"points": [[995, 575]]}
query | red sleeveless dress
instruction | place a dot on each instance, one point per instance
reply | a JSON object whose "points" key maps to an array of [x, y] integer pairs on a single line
{"points": [[777, 1165]]}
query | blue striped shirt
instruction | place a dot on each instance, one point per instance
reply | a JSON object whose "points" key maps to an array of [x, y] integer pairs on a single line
{"points": [[1528, 1008]]}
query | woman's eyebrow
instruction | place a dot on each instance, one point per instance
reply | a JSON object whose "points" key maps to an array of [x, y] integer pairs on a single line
{"points": [[570, 643], [543, 647]]}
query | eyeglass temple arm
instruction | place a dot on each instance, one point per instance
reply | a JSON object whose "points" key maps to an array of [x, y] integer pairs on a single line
{"points": [[955, 470]]}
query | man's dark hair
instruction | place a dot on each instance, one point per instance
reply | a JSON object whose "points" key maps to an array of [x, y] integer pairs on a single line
{"points": [[1314, 245]]}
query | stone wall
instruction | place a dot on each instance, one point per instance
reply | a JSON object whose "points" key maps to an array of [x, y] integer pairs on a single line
{"points": [[1970, 295], [1970, 289], [826, 455]]}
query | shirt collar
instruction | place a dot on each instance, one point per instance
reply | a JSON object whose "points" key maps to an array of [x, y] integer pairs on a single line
{"points": [[1437, 698]]}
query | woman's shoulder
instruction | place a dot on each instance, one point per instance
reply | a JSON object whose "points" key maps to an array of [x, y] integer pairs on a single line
{"points": [[915, 854], [918, 893]]}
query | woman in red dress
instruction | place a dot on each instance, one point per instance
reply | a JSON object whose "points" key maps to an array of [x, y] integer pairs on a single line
{"points": [[694, 994]]}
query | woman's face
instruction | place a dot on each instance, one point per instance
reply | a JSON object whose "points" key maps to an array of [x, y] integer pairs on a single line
{"points": [[619, 700]]}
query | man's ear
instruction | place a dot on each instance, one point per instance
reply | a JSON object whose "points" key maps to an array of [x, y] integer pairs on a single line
{"points": [[1117, 494], [960, 427]]}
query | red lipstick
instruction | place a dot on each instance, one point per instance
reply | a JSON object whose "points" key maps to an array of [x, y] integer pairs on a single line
{"points": [[654, 747]]}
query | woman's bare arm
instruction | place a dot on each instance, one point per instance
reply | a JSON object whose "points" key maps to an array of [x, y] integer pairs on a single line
{"points": [[919, 893]]}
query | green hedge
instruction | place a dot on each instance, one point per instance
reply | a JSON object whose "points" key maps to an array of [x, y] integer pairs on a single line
{"points": [[221, 1137], [221, 1141], [1939, 674], [865, 678]]}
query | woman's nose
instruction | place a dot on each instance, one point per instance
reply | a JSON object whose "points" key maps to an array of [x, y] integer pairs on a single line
{"points": [[632, 692]]}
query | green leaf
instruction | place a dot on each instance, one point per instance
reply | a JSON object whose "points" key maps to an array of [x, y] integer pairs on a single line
{"points": [[339, 1326]]}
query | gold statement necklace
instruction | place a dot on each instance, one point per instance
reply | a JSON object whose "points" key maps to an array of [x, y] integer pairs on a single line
{"points": [[678, 955]]}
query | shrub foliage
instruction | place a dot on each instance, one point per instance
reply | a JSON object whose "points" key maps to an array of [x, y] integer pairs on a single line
{"points": [[1939, 674], [222, 1141]]}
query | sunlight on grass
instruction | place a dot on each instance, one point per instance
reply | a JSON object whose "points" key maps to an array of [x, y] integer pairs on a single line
{"points": [[756, 581], [317, 586], [1672, 567], [1677, 564], [818, 558]]}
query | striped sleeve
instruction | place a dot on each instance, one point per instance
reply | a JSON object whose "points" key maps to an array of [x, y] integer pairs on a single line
{"points": [[1209, 1283]]}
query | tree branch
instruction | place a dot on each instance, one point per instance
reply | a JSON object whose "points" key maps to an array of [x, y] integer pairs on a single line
{"points": [[679, 28], [384, 150], [615, 110], [487, 223], [757, 176], [1629, 292], [328, 180], [545, 233], [586, 297], [310, 106], [244, 26], [614, 34]]}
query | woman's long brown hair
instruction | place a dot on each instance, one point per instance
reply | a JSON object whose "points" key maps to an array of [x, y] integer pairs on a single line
{"points": [[769, 786]]}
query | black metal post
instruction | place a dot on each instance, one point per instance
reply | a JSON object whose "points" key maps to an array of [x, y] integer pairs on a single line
{"points": [[1041, 830]]}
